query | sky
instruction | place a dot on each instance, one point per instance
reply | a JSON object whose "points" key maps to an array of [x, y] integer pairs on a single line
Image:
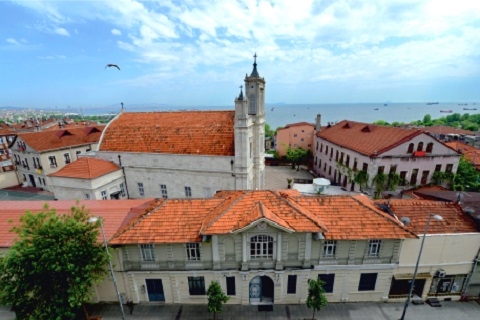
{"points": [[196, 53]]}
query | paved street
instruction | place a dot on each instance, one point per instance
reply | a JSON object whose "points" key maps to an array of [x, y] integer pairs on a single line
{"points": [[333, 311]]}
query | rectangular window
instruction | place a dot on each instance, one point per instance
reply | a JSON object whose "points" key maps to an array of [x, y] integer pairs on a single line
{"points": [[449, 168], [122, 189], [77, 153], [374, 248], [326, 150], [413, 177], [34, 162], [193, 251], [393, 169], [342, 154], [147, 252], [336, 156], [67, 158], [87, 196], [403, 177], [381, 169], [188, 192], [425, 175], [53, 161], [39, 181], [367, 281], [438, 167], [355, 164], [347, 162], [196, 286], [104, 195], [261, 247], [163, 189], [141, 191], [365, 167], [44, 182], [329, 248], [231, 286], [294, 135], [292, 284], [329, 280]]}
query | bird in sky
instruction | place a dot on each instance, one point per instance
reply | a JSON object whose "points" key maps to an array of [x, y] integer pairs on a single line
{"points": [[112, 65]]}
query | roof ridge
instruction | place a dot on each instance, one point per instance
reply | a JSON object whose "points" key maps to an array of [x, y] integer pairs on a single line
{"points": [[383, 215], [221, 213], [315, 221]]}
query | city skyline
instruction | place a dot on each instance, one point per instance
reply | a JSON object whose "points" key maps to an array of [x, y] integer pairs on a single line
{"points": [[195, 53]]}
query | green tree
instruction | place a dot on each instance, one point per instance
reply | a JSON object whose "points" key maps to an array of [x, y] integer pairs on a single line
{"points": [[361, 178], [316, 295], [297, 156], [467, 177], [380, 183], [216, 298], [427, 120], [49, 271], [268, 131]]}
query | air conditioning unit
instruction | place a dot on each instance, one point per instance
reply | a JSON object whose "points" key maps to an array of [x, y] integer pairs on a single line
{"points": [[441, 274]]}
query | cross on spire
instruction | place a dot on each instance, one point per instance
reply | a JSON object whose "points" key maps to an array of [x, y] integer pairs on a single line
{"points": [[255, 58]]}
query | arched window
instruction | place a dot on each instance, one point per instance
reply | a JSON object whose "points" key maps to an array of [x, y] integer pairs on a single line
{"points": [[410, 148], [430, 147], [261, 247], [420, 146]]}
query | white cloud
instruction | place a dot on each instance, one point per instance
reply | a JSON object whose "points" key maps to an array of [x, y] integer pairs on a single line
{"points": [[62, 32], [296, 40], [12, 41]]}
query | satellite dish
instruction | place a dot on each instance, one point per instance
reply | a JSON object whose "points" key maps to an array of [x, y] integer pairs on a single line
{"points": [[405, 220]]}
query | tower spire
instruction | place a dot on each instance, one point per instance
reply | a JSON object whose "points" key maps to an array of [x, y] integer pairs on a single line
{"points": [[255, 72], [240, 96]]}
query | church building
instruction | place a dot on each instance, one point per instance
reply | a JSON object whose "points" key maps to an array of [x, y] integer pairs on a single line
{"points": [[191, 154]]}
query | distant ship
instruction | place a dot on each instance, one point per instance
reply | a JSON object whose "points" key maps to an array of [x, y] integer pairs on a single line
{"points": [[469, 108], [375, 109], [446, 111], [430, 103]]}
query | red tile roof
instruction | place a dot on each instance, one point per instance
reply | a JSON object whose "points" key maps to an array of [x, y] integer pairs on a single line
{"points": [[341, 217], [114, 212], [297, 124], [192, 132], [86, 168], [367, 138], [454, 220], [444, 130], [471, 153], [412, 193], [58, 139]]}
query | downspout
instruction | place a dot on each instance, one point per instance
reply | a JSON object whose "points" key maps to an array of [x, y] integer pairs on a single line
{"points": [[123, 171]]}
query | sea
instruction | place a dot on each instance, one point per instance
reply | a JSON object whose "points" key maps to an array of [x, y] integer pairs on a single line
{"points": [[279, 115]]}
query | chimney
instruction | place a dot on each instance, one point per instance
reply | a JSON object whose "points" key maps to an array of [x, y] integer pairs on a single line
{"points": [[318, 122]]}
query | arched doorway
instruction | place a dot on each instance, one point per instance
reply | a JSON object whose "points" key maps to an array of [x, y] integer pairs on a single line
{"points": [[261, 290]]}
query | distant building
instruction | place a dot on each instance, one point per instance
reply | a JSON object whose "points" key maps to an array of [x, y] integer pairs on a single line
{"points": [[349, 146], [38, 154], [295, 135], [89, 179]]}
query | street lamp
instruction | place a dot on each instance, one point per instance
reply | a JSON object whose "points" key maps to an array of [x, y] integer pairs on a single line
{"points": [[95, 219], [438, 218]]}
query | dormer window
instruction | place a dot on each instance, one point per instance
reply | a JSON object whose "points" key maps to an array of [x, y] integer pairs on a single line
{"points": [[261, 247], [374, 248], [429, 147], [420, 146], [329, 248]]}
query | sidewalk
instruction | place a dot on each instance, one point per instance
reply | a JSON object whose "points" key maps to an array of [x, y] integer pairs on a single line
{"points": [[333, 311]]}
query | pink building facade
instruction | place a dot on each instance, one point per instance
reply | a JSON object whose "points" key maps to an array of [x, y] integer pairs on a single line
{"points": [[295, 135]]}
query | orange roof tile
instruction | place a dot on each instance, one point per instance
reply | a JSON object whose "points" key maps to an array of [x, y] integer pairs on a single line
{"points": [[86, 168], [353, 218], [367, 138], [58, 139], [172, 221], [471, 153], [114, 212], [186, 220], [413, 192], [454, 220], [192, 132]]}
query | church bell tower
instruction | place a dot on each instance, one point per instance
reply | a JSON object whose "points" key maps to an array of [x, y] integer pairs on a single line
{"points": [[250, 133]]}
